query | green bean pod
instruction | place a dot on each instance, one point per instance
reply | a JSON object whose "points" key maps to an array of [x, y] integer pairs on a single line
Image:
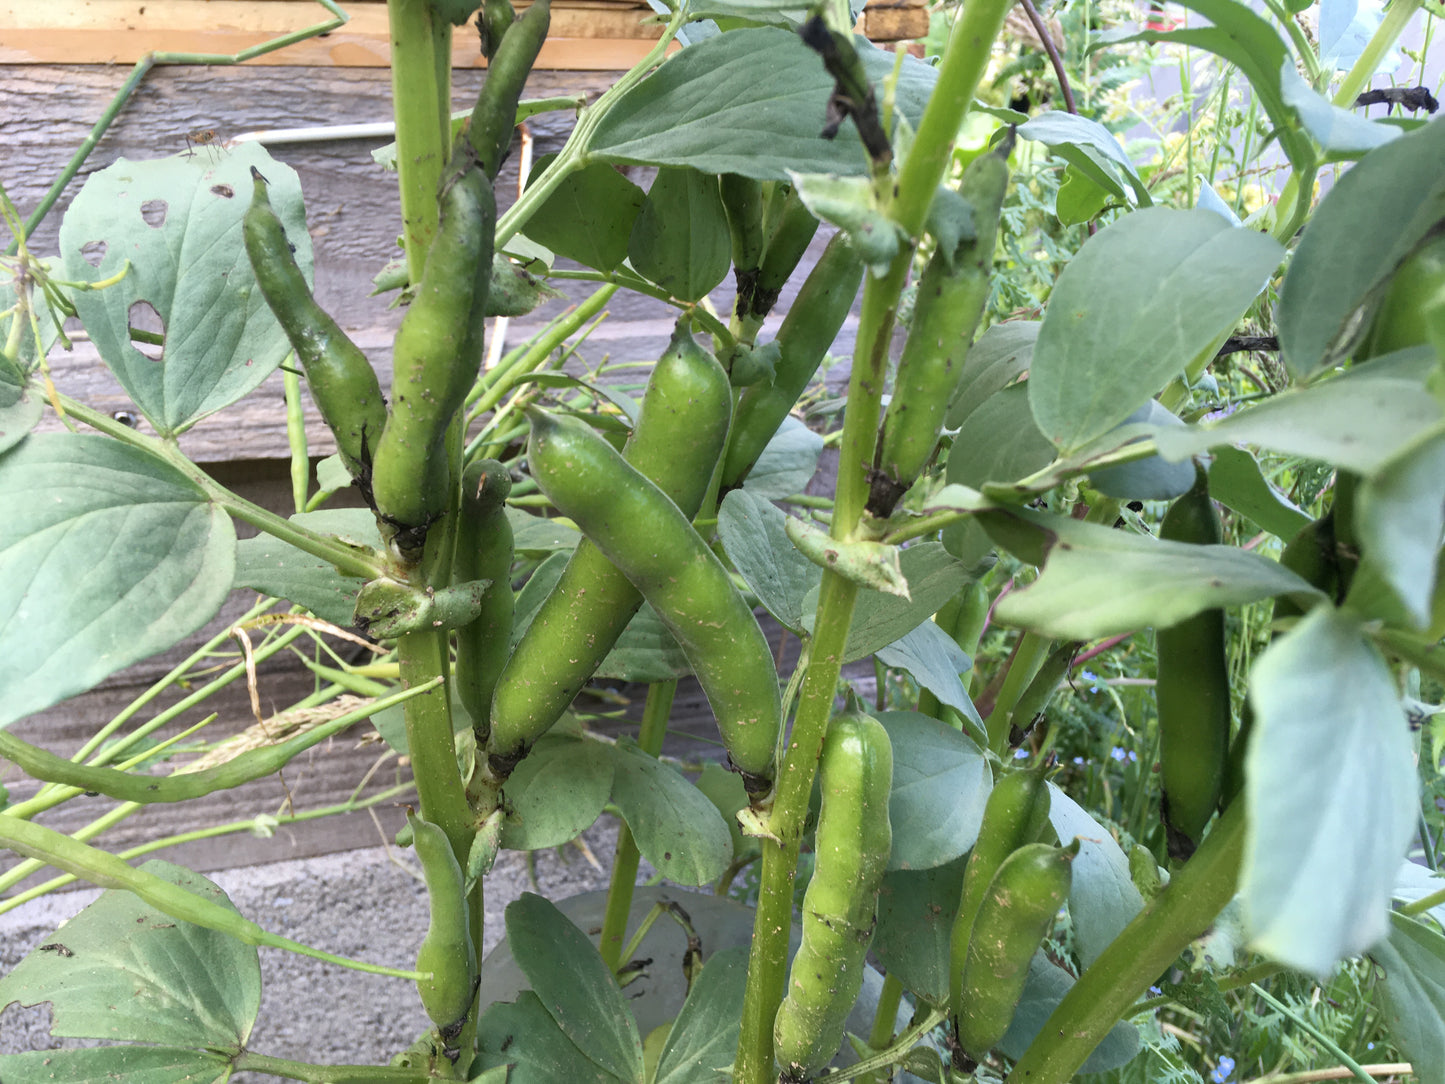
{"points": [[742, 199], [446, 950], [853, 842], [951, 296], [1017, 813], [808, 331], [676, 443], [484, 553], [1018, 912], [435, 363], [789, 227], [1192, 690], [495, 115], [1400, 321], [641, 531], [343, 384]]}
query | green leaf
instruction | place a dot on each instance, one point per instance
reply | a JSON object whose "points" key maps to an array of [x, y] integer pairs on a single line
{"points": [[1415, 882], [704, 1040], [751, 101], [1399, 516], [1080, 197], [677, 828], [123, 970], [522, 1035], [575, 986], [1102, 899], [1236, 481], [1093, 154], [851, 204], [916, 909], [645, 652], [935, 661], [538, 586], [1152, 479], [273, 567], [107, 556], [1340, 133], [1331, 786], [589, 217], [680, 239], [177, 221], [941, 781], [537, 536], [1044, 989], [725, 790], [21, 407], [107, 1064], [556, 793], [933, 577], [1140, 301], [1100, 582], [1360, 420], [754, 534], [1413, 960], [998, 442], [1376, 212], [788, 463]]}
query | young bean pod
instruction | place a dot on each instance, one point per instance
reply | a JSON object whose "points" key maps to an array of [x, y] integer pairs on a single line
{"points": [[484, 553], [853, 842], [654, 545], [951, 298], [807, 332], [495, 115], [1192, 690], [1017, 913], [1017, 813], [789, 227], [676, 443], [447, 950], [438, 353], [742, 199], [342, 381]]}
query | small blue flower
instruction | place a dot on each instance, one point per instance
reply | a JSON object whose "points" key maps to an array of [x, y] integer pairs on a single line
{"points": [[1078, 760], [1020, 754], [1223, 1070], [1118, 753], [1155, 991], [1092, 678]]}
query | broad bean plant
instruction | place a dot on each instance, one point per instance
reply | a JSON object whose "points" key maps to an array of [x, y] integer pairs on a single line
{"points": [[944, 909]]}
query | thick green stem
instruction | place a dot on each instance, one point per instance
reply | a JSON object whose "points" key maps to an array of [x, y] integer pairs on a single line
{"points": [[624, 864], [329, 1074], [296, 440], [768, 960], [430, 741], [1138, 956], [106, 870], [423, 122], [884, 1017], [1033, 649]]}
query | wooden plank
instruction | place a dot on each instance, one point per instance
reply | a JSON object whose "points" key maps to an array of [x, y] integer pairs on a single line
{"points": [[596, 37]]}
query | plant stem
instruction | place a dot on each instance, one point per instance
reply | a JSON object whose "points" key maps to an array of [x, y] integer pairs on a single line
{"points": [[430, 741], [767, 961], [106, 870], [1312, 1076], [328, 1074], [1397, 17], [884, 1017], [1148, 945], [1033, 649], [296, 440], [1319, 1036], [655, 714], [423, 122]]}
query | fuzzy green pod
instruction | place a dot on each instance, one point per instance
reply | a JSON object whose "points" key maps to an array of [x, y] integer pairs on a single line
{"points": [[789, 228], [807, 332], [484, 554], [641, 531], [1192, 690], [951, 296], [494, 117], [1017, 913], [446, 950], [342, 381], [676, 443], [1017, 813], [853, 842], [436, 359]]}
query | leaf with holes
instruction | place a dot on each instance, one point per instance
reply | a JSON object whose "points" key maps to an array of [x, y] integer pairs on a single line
{"points": [[107, 556], [185, 330]]}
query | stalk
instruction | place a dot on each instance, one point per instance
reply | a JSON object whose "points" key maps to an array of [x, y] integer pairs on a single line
{"points": [[430, 741], [624, 865], [423, 120], [1148, 945]]}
